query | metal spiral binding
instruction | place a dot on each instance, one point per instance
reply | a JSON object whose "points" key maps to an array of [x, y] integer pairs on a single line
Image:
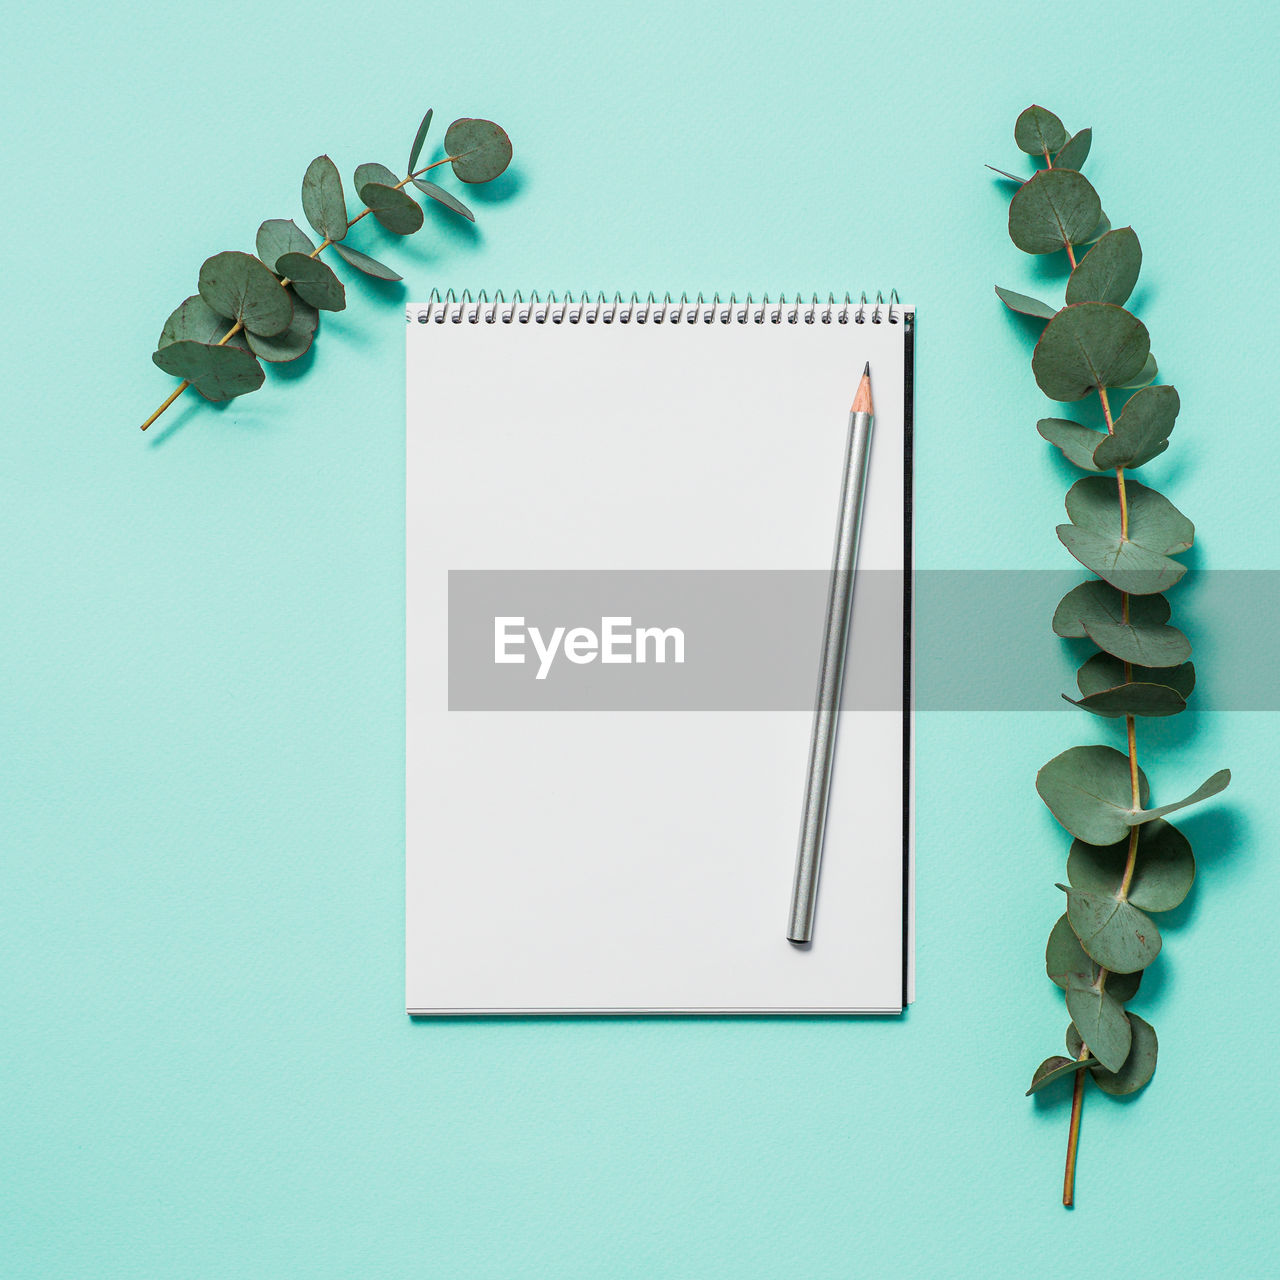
{"points": [[582, 309]]}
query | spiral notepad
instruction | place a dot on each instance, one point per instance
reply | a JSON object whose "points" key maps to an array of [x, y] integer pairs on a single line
{"points": [[619, 515]]}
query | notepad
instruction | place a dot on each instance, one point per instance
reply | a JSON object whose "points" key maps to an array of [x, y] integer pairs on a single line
{"points": [[619, 520]]}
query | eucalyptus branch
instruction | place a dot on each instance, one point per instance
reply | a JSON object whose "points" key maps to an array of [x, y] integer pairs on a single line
{"points": [[1126, 861], [274, 299]]}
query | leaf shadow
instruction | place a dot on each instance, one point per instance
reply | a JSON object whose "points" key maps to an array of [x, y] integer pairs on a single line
{"points": [[1050, 270], [1130, 1099], [288, 370], [1213, 834], [451, 228], [447, 230], [1055, 1099], [1143, 296], [505, 186], [193, 404], [345, 325], [1028, 327]]}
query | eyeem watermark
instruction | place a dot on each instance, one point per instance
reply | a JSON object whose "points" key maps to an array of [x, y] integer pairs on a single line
{"points": [[749, 640], [617, 641]]}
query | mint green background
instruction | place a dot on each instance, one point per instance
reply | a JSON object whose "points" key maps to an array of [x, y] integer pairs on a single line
{"points": [[206, 1069]]}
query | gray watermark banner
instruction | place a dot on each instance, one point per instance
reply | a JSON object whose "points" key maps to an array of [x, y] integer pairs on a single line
{"points": [[748, 640]]}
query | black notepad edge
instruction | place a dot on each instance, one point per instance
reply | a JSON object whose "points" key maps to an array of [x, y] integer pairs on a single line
{"points": [[908, 430]]}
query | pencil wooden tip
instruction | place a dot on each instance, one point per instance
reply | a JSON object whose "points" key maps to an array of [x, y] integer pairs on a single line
{"points": [[862, 398]]}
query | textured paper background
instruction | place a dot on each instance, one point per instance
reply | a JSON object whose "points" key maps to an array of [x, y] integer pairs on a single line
{"points": [[206, 1067]]}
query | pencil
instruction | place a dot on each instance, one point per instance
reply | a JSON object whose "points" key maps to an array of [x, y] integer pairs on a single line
{"points": [[835, 643]]}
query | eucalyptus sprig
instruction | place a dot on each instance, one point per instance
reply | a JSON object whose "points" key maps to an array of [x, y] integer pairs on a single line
{"points": [[1126, 861], [269, 305]]}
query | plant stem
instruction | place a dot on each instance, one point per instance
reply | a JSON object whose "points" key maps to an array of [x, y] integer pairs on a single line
{"points": [[1073, 1133], [1071, 253], [177, 391], [1131, 860], [315, 253], [1129, 723]]}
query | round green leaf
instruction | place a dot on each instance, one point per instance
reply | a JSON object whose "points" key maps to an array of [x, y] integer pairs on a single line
{"points": [[295, 341], [1145, 375], [1089, 345], [1138, 1067], [1104, 671], [1142, 429], [1096, 610], [1025, 305], [1154, 647], [1094, 503], [1087, 789], [1163, 872], [1076, 441], [445, 198], [1209, 788], [367, 173], [217, 373], [239, 287], [1133, 699], [1039, 132], [1099, 603], [1108, 272], [322, 199], [362, 262], [1109, 689], [1123, 986], [1076, 150], [196, 321], [478, 149], [1136, 562], [313, 281], [1125, 564], [1073, 1041], [1104, 225], [419, 138], [1055, 208], [1112, 931], [1101, 1020], [281, 235], [399, 213], [1064, 956], [1052, 1069]]}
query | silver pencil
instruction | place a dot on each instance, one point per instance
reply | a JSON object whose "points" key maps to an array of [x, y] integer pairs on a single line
{"points": [[826, 715]]}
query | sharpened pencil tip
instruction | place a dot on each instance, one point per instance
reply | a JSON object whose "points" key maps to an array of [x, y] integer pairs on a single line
{"points": [[862, 398]]}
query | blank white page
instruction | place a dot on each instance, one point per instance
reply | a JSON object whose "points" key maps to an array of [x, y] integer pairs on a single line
{"points": [[606, 861]]}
